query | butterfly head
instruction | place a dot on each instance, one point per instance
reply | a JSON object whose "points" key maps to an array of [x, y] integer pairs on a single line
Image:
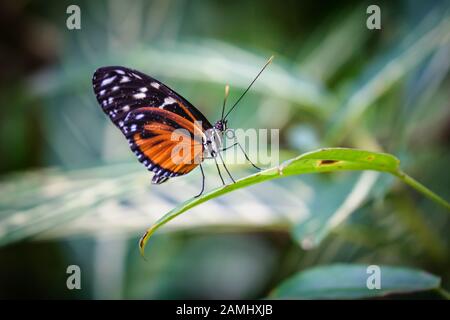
{"points": [[221, 125]]}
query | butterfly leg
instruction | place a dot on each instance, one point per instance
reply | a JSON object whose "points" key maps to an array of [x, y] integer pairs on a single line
{"points": [[203, 183], [245, 154], [218, 170], [223, 163]]}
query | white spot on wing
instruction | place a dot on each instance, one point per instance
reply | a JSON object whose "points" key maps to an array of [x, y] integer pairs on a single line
{"points": [[124, 79], [108, 81], [120, 71], [139, 95], [139, 116], [126, 108], [115, 88], [102, 92], [143, 89], [155, 85], [167, 101]]}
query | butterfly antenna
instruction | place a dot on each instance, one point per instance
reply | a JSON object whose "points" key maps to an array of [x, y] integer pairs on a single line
{"points": [[248, 88], [227, 91]]}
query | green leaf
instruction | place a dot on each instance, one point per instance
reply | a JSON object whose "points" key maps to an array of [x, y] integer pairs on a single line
{"points": [[27, 208], [333, 202], [323, 160], [349, 281], [385, 72]]}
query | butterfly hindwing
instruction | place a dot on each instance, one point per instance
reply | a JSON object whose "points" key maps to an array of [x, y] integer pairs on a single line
{"points": [[148, 112], [164, 142]]}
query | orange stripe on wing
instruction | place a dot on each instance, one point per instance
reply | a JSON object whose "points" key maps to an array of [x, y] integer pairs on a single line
{"points": [[159, 149], [182, 122], [157, 126], [186, 110]]}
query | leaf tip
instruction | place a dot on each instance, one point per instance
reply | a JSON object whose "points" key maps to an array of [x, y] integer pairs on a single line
{"points": [[143, 241]]}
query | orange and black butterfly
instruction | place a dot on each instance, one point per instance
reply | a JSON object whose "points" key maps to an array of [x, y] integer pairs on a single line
{"points": [[148, 112]]}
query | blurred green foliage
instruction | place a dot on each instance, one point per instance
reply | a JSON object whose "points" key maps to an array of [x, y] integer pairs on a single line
{"points": [[72, 193]]}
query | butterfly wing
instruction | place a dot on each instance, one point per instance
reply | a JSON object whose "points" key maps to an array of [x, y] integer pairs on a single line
{"points": [[151, 115], [164, 142], [120, 90]]}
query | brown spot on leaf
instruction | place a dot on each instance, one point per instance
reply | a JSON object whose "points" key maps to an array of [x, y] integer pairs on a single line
{"points": [[327, 162], [371, 157]]}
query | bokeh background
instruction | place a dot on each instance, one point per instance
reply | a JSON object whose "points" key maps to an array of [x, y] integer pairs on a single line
{"points": [[72, 193]]}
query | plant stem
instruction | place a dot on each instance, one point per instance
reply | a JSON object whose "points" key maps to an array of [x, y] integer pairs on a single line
{"points": [[422, 189], [444, 293]]}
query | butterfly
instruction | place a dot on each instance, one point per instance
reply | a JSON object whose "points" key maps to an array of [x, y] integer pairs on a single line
{"points": [[148, 113]]}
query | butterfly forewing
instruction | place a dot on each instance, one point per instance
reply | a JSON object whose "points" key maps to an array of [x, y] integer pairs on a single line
{"points": [[148, 112]]}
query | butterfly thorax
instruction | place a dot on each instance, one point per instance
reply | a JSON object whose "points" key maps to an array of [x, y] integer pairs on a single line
{"points": [[213, 142]]}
